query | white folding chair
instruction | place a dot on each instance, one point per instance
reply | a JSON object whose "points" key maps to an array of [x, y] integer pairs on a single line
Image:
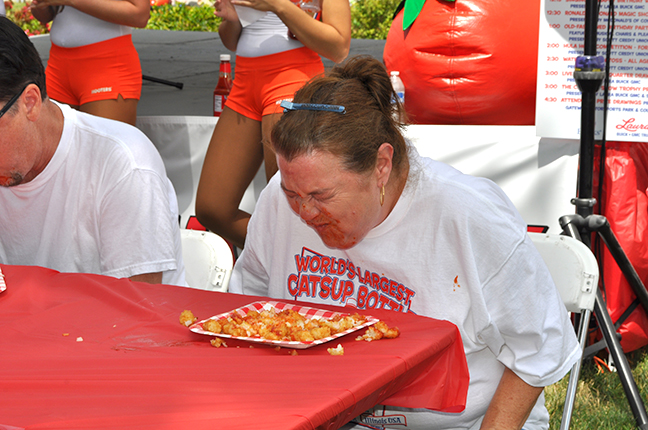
{"points": [[575, 272], [208, 260]]}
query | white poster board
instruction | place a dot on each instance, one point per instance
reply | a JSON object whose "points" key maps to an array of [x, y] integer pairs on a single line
{"points": [[561, 40]]}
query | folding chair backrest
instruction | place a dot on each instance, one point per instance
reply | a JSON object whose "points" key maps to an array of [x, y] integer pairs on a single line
{"points": [[573, 268], [208, 260]]}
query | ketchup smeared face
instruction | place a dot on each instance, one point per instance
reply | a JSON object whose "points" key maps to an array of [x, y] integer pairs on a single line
{"points": [[341, 206]]}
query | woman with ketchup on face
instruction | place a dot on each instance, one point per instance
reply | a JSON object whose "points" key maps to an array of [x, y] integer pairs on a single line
{"points": [[356, 217]]}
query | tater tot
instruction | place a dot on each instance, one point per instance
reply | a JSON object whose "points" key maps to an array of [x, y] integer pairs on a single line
{"points": [[187, 318], [320, 332], [303, 336], [212, 326]]}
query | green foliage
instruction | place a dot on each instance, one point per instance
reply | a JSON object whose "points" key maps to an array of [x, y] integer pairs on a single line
{"points": [[20, 14], [183, 18], [601, 402], [371, 19]]}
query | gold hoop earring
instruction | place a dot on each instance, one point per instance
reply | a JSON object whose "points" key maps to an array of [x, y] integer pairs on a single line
{"points": [[382, 195]]}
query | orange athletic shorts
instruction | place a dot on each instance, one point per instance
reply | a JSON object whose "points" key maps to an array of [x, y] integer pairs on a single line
{"points": [[261, 83], [99, 71]]}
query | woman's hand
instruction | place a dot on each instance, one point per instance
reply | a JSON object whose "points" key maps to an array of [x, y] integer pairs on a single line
{"points": [[44, 11], [133, 13], [225, 10]]}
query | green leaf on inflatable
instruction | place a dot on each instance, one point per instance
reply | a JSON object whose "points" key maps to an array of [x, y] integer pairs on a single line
{"points": [[411, 11]]}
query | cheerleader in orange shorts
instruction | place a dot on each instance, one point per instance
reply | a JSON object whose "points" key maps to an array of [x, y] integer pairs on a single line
{"points": [[271, 66], [93, 65]]}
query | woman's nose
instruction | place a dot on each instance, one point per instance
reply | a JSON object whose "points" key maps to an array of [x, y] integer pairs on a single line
{"points": [[307, 210]]}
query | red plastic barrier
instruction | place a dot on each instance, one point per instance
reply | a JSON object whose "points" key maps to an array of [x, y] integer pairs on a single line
{"points": [[625, 204], [468, 62]]}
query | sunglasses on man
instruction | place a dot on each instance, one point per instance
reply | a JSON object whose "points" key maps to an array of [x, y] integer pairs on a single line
{"points": [[13, 100]]}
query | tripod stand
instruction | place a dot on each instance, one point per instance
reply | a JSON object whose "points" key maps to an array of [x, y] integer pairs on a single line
{"points": [[589, 74], [581, 228]]}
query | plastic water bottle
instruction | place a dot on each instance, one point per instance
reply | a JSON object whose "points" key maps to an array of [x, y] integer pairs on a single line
{"points": [[398, 85], [224, 85], [311, 7]]}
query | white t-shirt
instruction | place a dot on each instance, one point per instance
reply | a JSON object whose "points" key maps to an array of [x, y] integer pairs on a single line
{"points": [[72, 28], [103, 204], [453, 248], [266, 36]]}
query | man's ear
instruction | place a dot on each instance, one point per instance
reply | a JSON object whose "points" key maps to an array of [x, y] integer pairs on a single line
{"points": [[33, 101]]}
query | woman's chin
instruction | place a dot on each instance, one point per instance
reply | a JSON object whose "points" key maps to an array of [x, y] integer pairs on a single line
{"points": [[336, 240]]}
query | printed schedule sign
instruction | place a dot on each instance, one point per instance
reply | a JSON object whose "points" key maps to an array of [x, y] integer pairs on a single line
{"points": [[558, 100]]}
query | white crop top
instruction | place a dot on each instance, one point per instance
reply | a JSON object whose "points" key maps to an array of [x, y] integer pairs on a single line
{"points": [[72, 28], [266, 36]]}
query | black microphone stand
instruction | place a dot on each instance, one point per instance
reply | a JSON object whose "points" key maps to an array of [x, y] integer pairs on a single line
{"points": [[178, 85], [589, 74]]}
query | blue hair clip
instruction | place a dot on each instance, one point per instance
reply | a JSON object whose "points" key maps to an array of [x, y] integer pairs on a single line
{"points": [[311, 106]]}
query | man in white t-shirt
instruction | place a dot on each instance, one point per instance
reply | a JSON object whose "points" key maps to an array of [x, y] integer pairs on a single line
{"points": [[78, 193]]}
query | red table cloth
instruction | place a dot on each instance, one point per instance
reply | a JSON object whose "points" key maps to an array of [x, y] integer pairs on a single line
{"points": [[85, 351]]}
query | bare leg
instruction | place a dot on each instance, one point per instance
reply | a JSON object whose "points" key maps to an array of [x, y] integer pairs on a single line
{"points": [[269, 158], [234, 156], [120, 109]]}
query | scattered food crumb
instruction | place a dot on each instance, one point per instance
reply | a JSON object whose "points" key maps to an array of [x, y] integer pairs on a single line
{"points": [[339, 350], [379, 331], [79, 339], [218, 342]]}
